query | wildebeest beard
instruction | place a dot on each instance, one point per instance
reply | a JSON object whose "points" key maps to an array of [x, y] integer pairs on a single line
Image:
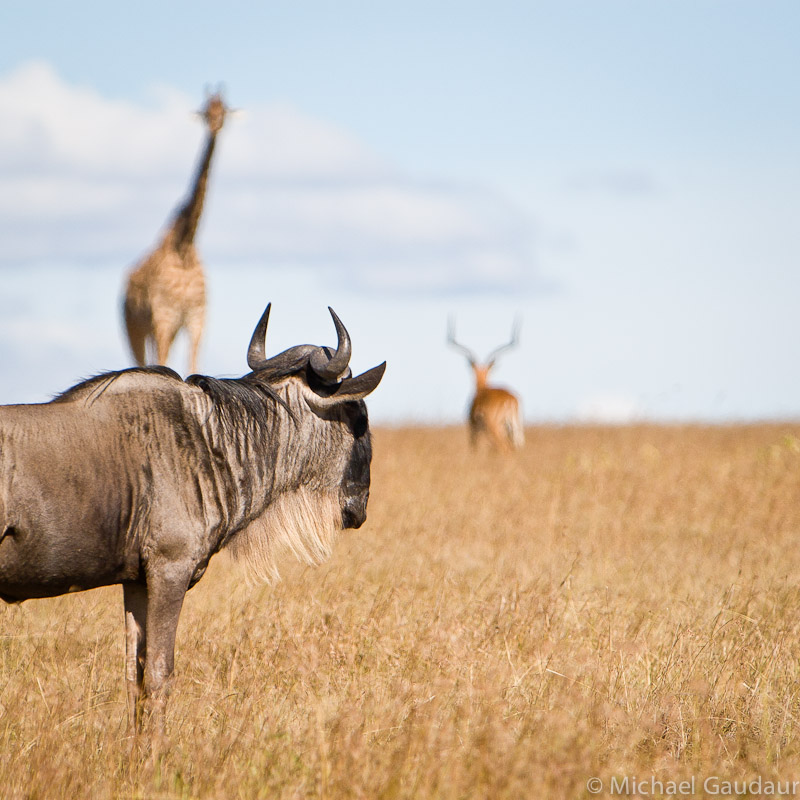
{"points": [[302, 522]]}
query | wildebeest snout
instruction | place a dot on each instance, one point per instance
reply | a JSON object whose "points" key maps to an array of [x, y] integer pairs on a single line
{"points": [[354, 511]]}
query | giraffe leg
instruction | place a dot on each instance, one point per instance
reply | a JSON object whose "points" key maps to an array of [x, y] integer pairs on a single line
{"points": [[194, 328], [137, 333], [164, 336]]}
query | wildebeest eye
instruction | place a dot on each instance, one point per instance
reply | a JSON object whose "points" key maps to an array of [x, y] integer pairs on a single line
{"points": [[357, 418]]}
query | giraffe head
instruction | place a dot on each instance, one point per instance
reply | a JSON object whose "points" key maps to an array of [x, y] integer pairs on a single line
{"points": [[214, 112]]}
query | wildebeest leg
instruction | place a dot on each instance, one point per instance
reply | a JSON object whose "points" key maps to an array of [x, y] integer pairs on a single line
{"points": [[135, 596], [164, 601]]}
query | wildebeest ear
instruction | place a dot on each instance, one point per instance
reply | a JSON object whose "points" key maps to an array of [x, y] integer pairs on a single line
{"points": [[352, 388]]}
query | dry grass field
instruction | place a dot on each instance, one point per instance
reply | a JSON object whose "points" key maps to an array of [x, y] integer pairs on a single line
{"points": [[609, 602]]}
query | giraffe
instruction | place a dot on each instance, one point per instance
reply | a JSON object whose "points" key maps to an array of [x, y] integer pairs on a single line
{"points": [[166, 290]]}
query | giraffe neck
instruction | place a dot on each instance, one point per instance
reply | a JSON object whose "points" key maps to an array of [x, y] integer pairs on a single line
{"points": [[185, 226]]}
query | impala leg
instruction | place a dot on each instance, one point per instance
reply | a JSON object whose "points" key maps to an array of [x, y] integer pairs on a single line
{"points": [[515, 430], [135, 597], [476, 425], [504, 444], [500, 437]]}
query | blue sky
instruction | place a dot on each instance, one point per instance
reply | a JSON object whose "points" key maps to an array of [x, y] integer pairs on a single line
{"points": [[624, 175]]}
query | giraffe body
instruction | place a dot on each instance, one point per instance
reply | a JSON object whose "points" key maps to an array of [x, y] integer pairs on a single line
{"points": [[166, 291]]}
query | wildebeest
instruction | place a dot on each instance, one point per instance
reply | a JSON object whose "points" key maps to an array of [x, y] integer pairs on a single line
{"points": [[138, 477], [493, 410]]}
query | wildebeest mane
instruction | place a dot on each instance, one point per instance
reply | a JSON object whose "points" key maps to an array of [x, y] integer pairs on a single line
{"points": [[230, 396], [227, 395]]}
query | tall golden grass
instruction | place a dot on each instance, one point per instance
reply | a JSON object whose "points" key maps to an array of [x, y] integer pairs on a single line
{"points": [[608, 602]]}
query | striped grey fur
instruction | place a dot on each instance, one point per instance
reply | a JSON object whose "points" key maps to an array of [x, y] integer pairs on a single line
{"points": [[138, 477]]}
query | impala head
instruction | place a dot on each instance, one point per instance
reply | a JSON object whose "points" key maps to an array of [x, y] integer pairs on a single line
{"points": [[481, 369]]}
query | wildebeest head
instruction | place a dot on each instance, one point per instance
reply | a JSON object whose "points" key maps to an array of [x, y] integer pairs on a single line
{"points": [[337, 429]]}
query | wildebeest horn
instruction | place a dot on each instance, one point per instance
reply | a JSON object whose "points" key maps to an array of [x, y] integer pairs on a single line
{"points": [[331, 368], [352, 388], [256, 355]]}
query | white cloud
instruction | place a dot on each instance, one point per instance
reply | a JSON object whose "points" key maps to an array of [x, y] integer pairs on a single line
{"points": [[51, 127], [89, 179], [610, 408]]}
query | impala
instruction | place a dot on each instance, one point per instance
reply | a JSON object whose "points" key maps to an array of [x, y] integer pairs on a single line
{"points": [[494, 410]]}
